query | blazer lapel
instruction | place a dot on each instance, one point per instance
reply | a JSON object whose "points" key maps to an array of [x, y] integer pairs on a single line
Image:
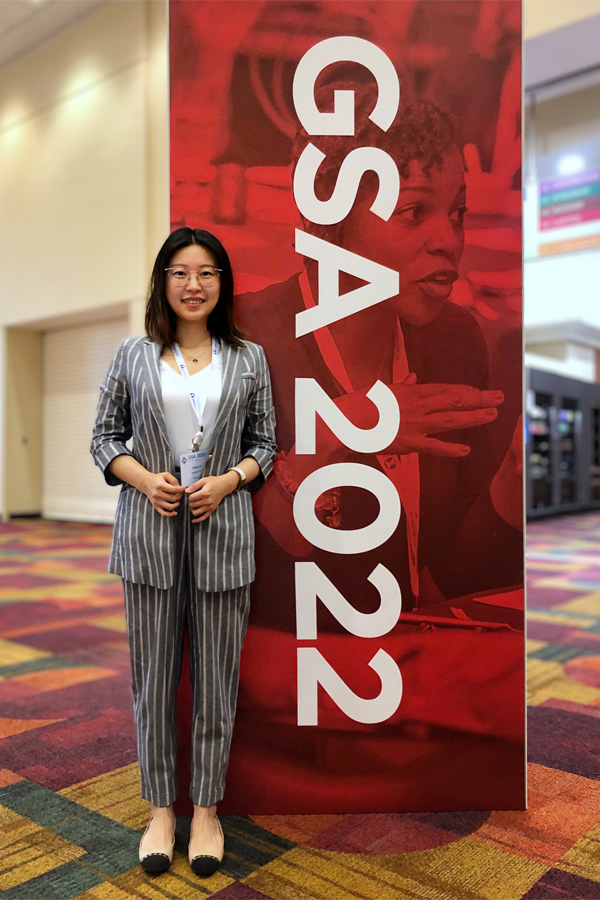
{"points": [[151, 353], [230, 384]]}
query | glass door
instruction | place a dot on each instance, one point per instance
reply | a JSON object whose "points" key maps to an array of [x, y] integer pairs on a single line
{"points": [[540, 413], [568, 429], [595, 452]]}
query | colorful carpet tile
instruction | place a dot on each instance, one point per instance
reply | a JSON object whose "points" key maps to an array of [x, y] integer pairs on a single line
{"points": [[70, 810]]}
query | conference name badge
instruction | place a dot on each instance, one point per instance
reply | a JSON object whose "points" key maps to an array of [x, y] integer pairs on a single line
{"points": [[192, 465]]}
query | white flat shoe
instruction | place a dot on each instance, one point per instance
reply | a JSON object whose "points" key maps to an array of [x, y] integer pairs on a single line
{"points": [[157, 861], [205, 865]]}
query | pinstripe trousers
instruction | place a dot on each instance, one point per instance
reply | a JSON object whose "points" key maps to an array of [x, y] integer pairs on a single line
{"points": [[216, 623]]}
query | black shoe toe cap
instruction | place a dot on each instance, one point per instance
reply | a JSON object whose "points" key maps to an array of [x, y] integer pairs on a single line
{"points": [[205, 865], [155, 863]]}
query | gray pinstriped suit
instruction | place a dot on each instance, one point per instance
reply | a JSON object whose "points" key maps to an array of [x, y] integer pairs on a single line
{"points": [[131, 403], [175, 573]]}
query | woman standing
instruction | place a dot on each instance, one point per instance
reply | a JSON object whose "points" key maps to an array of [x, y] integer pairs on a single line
{"points": [[196, 399]]}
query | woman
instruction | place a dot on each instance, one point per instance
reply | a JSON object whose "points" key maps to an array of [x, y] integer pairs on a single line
{"points": [[196, 399]]}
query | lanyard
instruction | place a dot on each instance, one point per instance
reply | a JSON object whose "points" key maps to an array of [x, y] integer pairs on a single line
{"points": [[331, 355], [325, 342], [205, 412]]}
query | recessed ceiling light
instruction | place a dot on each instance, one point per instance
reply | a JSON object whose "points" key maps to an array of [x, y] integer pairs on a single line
{"points": [[570, 164]]}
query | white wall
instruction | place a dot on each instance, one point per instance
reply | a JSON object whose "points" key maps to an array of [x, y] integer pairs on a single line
{"points": [[561, 287], [73, 157], [23, 440], [540, 16], [72, 162], [75, 361], [84, 177], [570, 360]]}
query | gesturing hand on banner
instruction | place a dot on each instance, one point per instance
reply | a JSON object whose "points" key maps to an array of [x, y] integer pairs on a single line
{"points": [[427, 409]]}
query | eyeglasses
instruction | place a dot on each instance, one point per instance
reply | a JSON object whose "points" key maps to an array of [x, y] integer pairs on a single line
{"points": [[207, 277]]}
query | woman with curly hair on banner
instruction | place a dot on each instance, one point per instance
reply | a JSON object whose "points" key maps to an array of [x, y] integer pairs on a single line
{"points": [[428, 350], [460, 533]]}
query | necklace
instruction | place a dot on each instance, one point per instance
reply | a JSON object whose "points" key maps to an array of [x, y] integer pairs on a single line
{"points": [[194, 359]]}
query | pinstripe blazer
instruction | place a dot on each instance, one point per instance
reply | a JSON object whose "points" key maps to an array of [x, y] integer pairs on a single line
{"points": [[130, 405]]}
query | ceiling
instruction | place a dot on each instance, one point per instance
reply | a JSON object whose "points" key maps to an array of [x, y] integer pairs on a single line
{"points": [[25, 23]]}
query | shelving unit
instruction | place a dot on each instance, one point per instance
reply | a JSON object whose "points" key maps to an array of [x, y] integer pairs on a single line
{"points": [[562, 444]]}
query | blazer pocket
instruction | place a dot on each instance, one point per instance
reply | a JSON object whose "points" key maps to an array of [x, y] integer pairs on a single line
{"points": [[249, 375]]}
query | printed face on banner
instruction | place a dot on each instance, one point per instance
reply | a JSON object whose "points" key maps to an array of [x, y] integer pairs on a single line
{"points": [[423, 240], [360, 163]]}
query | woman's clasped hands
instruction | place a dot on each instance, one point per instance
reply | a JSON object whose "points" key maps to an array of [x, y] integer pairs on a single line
{"points": [[165, 493], [205, 495]]}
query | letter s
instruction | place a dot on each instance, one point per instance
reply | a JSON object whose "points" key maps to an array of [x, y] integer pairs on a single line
{"points": [[354, 166]]}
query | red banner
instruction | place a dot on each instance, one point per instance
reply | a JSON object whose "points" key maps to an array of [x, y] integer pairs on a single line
{"points": [[361, 164]]}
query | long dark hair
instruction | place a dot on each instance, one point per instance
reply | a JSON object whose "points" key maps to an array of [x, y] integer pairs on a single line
{"points": [[161, 321]]}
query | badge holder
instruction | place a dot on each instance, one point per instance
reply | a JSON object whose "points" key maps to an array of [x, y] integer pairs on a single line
{"points": [[192, 464]]}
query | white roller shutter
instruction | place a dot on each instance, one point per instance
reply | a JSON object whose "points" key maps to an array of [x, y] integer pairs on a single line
{"points": [[75, 361]]}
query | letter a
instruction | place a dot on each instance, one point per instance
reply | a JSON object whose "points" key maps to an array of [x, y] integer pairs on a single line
{"points": [[383, 283]]}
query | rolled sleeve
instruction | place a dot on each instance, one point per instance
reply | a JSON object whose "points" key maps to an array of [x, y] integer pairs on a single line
{"points": [[113, 420], [258, 438]]}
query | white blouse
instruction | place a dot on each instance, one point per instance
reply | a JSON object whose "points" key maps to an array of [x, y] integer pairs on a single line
{"points": [[180, 418]]}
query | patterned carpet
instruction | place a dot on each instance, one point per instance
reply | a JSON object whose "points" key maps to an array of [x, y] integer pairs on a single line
{"points": [[69, 807]]}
